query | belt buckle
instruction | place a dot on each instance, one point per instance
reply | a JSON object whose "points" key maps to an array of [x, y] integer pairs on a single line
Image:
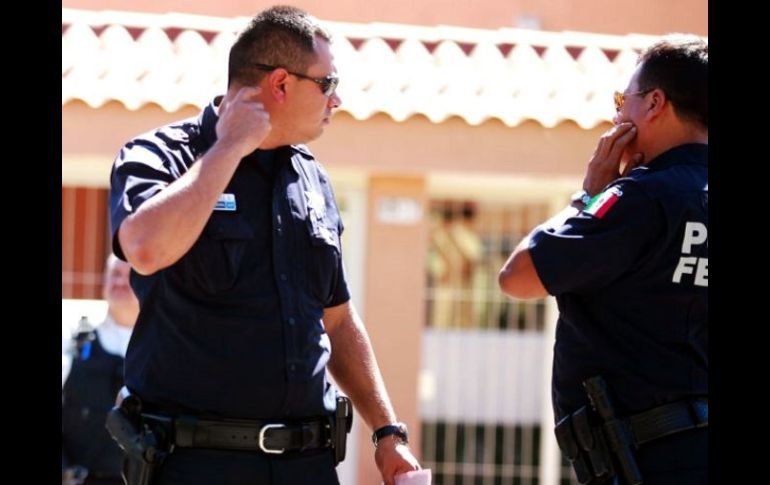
{"points": [[262, 439]]}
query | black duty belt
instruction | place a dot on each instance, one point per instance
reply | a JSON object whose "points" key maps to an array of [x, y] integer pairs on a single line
{"points": [[668, 419], [237, 434], [592, 441]]}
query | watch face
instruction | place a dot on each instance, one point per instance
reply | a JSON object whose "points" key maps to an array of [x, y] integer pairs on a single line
{"points": [[581, 196]]}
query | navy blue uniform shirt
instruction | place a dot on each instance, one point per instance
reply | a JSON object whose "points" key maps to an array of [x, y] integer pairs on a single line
{"points": [[234, 328], [88, 394], [630, 276]]}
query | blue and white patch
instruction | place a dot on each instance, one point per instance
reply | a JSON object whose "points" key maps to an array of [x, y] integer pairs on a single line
{"points": [[226, 202]]}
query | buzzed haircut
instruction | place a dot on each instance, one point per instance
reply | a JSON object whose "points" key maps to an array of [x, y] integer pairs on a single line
{"points": [[679, 65], [281, 36]]}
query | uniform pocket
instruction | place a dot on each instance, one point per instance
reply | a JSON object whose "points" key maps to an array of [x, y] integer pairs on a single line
{"points": [[216, 257]]}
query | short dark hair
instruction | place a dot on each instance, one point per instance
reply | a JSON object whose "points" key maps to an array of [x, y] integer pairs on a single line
{"points": [[679, 65], [281, 36]]}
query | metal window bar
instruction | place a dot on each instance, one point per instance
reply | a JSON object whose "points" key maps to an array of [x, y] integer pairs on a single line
{"points": [[499, 454], [469, 242]]}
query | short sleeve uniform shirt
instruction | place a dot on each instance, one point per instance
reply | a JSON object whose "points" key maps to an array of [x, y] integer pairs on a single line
{"points": [[234, 328], [630, 275]]}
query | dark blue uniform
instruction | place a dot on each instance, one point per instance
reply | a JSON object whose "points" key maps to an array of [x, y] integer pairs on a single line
{"points": [[630, 275], [87, 395], [234, 328]]}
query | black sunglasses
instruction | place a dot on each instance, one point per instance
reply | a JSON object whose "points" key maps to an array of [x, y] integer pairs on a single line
{"points": [[328, 84]]}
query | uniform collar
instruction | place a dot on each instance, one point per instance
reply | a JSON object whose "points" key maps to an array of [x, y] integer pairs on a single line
{"points": [[208, 122], [687, 154]]}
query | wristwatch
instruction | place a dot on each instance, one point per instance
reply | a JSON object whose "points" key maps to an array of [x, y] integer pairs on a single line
{"points": [[581, 196], [398, 429]]}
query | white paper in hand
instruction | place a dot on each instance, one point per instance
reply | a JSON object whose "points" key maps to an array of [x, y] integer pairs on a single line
{"points": [[417, 477]]}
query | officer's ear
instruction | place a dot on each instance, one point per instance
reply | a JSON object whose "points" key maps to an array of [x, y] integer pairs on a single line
{"points": [[656, 103], [277, 81]]}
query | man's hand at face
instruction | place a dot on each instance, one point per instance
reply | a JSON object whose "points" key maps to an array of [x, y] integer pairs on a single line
{"points": [[605, 164], [243, 122]]}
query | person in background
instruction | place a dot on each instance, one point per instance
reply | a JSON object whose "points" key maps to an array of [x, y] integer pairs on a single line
{"points": [[89, 388], [628, 263], [233, 234]]}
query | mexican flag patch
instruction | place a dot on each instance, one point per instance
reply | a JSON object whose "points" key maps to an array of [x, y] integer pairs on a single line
{"points": [[603, 202]]}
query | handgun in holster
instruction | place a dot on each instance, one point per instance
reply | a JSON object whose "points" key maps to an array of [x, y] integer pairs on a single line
{"points": [[143, 448], [343, 422], [614, 430], [584, 448], [596, 443]]}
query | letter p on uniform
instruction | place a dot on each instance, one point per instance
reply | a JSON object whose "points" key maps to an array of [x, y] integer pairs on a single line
{"points": [[695, 233]]}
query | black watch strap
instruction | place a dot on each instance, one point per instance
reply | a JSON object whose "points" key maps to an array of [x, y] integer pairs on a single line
{"points": [[398, 429]]}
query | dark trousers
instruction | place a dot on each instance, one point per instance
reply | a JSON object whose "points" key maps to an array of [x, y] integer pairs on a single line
{"points": [[104, 481], [679, 459], [198, 466]]}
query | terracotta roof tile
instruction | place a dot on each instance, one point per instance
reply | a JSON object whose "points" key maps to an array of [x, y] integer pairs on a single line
{"points": [[513, 75]]}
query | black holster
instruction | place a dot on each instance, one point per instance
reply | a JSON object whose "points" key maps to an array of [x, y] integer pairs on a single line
{"points": [[144, 448], [343, 422], [598, 444], [585, 448]]}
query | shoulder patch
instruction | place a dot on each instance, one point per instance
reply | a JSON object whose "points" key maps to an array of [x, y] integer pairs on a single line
{"points": [[603, 202]]}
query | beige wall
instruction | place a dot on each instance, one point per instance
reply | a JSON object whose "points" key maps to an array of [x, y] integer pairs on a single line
{"points": [[91, 137], [102, 131], [605, 16], [418, 146], [395, 299]]}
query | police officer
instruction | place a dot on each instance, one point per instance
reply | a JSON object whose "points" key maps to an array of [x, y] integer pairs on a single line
{"points": [[94, 378], [233, 232], [628, 264]]}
